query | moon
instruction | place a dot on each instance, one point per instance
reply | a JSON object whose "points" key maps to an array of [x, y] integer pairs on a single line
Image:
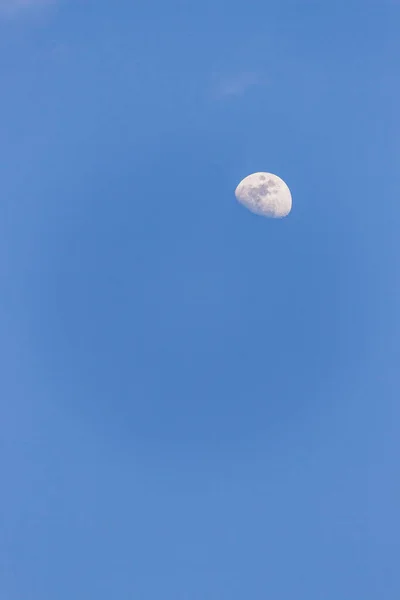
{"points": [[265, 194]]}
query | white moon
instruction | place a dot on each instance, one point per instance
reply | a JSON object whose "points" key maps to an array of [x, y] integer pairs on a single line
{"points": [[265, 194]]}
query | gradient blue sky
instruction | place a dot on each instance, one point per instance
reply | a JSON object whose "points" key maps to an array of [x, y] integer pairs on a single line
{"points": [[196, 402]]}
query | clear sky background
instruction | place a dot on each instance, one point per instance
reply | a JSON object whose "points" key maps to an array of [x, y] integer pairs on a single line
{"points": [[196, 402]]}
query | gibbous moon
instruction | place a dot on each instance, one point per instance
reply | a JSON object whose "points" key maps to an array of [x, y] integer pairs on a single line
{"points": [[265, 194]]}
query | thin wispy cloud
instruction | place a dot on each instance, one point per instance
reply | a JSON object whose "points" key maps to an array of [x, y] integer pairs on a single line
{"points": [[237, 84], [16, 7]]}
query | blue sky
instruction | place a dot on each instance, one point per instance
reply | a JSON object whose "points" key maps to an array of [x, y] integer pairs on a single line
{"points": [[197, 402]]}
